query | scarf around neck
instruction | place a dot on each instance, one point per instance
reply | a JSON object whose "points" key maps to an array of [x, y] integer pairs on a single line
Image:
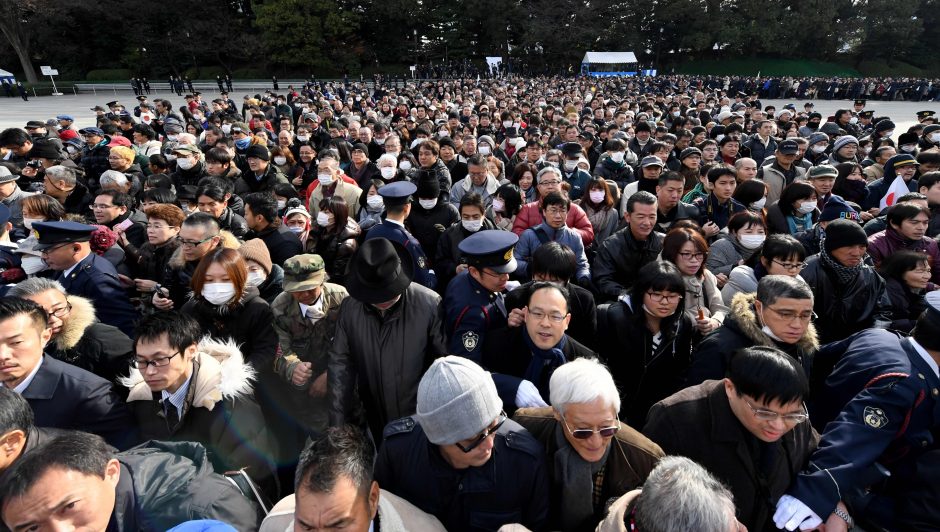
{"points": [[542, 358], [844, 273], [574, 477]]}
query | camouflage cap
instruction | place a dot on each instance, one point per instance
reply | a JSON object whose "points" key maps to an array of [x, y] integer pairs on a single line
{"points": [[304, 272]]}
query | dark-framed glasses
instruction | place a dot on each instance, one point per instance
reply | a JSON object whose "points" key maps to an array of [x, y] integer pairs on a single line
{"points": [[483, 435]]}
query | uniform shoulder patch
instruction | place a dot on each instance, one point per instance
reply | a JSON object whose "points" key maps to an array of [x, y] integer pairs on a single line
{"points": [[400, 426], [470, 340], [874, 417]]}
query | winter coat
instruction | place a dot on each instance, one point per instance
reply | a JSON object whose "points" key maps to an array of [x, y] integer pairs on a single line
{"points": [[439, 171], [620, 258], [879, 187], [630, 460], [698, 423], [248, 182], [724, 255], [95, 162], [96, 347], [219, 412], [643, 375], [281, 243], [163, 484], [234, 223], [189, 177], [756, 148], [341, 188], [776, 181], [364, 175], [883, 244], [906, 306], [273, 284], [610, 222], [428, 225], [149, 261], [336, 248], [531, 215], [842, 310], [532, 239], [394, 515], [300, 340], [14, 202], [742, 329], [621, 173], [379, 360]]}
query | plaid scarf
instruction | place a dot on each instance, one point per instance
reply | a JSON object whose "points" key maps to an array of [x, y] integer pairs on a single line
{"points": [[844, 273]]}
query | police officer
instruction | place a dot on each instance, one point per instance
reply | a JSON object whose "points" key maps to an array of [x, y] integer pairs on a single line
{"points": [[926, 116], [397, 198], [879, 408], [66, 249], [460, 458], [474, 300]]}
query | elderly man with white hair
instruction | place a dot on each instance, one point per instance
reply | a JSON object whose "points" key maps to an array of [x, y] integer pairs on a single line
{"points": [[591, 456]]}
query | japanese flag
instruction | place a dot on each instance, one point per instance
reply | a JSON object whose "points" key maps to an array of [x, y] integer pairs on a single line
{"points": [[898, 189]]}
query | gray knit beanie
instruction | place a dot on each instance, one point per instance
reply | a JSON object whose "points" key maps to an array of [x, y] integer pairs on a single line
{"points": [[843, 141], [486, 139], [457, 399]]}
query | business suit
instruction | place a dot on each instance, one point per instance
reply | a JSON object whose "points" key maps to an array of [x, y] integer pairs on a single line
{"points": [[63, 396], [96, 279]]}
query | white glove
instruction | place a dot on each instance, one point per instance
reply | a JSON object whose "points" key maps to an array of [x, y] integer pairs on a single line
{"points": [[527, 395], [792, 514]]}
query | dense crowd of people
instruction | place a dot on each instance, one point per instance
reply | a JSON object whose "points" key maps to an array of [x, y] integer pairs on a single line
{"points": [[517, 304]]}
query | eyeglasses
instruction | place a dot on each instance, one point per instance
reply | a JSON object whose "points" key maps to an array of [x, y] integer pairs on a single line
{"points": [[583, 434], [59, 312], [159, 226], [769, 415], [658, 297], [687, 255], [538, 315], [550, 182], [157, 362], [100, 206], [193, 243], [794, 266], [49, 251], [487, 271], [556, 212], [789, 315], [484, 435]]}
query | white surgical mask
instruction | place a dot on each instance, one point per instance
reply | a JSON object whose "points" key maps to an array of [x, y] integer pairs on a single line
{"points": [[935, 137], [170, 157], [387, 172], [405, 165], [325, 179], [427, 204], [296, 229], [507, 123], [323, 219], [281, 204], [498, 205], [807, 207], [380, 142], [172, 138], [616, 156], [571, 165], [887, 134], [597, 196], [375, 203], [853, 120], [302, 138], [908, 147], [226, 128], [280, 161], [819, 149], [718, 137], [31, 264], [484, 150], [472, 225], [185, 163], [28, 222], [751, 241], [255, 278], [759, 204], [218, 293]]}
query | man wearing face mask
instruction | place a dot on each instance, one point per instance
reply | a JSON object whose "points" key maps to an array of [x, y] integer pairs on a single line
{"points": [[331, 181], [387, 334], [190, 166], [265, 225], [612, 165], [475, 299], [570, 172]]}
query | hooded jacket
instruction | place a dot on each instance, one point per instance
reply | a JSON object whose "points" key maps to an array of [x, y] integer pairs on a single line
{"points": [[219, 412], [741, 328], [84, 342]]}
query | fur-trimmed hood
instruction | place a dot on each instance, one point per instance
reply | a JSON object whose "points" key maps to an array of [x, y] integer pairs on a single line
{"points": [[80, 318], [742, 311], [229, 241], [220, 373]]}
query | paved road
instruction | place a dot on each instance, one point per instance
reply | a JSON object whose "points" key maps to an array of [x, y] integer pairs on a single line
{"points": [[16, 112]]}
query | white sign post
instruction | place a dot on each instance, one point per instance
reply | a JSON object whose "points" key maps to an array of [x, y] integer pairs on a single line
{"points": [[49, 71]]}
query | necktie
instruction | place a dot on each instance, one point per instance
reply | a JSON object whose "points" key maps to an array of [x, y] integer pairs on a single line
{"points": [[501, 304], [172, 414]]}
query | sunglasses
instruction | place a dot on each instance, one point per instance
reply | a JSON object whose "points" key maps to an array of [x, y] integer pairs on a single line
{"points": [[583, 434], [484, 435]]}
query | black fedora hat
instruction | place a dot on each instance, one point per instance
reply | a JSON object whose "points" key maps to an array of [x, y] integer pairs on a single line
{"points": [[380, 271]]}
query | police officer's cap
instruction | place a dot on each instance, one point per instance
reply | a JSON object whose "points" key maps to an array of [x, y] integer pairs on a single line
{"points": [[398, 193], [48, 234], [859, 102], [866, 114], [925, 114], [490, 249]]}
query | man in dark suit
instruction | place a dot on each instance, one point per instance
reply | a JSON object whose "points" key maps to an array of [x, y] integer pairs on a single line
{"points": [[61, 395], [66, 249]]}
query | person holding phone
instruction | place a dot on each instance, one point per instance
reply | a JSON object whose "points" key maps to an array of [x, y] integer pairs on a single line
{"points": [[115, 210]]}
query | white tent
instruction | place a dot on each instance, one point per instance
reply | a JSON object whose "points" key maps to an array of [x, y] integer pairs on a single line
{"points": [[609, 57], [7, 75]]}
